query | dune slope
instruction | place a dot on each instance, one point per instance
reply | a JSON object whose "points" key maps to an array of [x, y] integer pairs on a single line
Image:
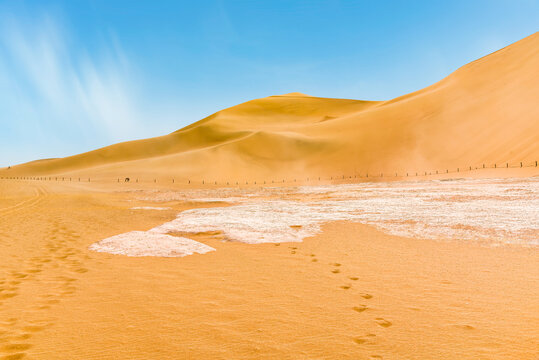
{"points": [[483, 113]]}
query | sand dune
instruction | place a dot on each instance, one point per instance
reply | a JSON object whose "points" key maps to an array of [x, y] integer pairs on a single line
{"points": [[483, 113]]}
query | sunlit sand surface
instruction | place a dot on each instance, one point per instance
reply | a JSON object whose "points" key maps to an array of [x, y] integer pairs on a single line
{"points": [[339, 290]]}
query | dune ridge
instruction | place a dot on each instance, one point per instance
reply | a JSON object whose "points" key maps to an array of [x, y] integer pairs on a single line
{"points": [[483, 113]]}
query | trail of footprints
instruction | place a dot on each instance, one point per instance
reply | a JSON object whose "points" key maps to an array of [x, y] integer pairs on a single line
{"points": [[53, 274], [367, 339]]}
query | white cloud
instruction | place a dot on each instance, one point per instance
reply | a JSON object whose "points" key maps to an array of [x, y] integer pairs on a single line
{"points": [[55, 89]]}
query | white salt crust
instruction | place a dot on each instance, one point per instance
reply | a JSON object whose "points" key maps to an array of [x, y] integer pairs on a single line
{"points": [[143, 243], [497, 211]]}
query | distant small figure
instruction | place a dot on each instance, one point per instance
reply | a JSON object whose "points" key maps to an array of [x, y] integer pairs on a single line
{"points": [[126, 180], [9, 167]]}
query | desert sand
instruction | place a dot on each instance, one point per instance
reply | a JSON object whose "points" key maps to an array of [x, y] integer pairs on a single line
{"points": [[349, 292], [419, 262]]}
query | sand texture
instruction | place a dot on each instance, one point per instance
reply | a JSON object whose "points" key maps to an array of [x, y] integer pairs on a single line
{"points": [[349, 292]]}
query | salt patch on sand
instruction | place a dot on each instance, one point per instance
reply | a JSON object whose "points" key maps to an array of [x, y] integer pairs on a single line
{"points": [[495, 210], [501, 211], [146, 243]]}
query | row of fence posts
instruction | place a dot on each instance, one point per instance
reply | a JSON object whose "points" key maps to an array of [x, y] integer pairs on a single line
{"points": [[44, 178], [381, 174], [56, 178]]}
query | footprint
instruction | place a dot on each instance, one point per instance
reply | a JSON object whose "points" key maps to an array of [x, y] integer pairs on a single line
{"points": [[365, 340], [16, 347], [383, 322], [22, 337], [360, 308], [19, 275], [314, 260], [465, 327], [278, 244], [335, 264], [345, 287], [353, 278], [292, 252], [366, 296], [335, 271], [16, 356], [8, 295], [33, 328]]}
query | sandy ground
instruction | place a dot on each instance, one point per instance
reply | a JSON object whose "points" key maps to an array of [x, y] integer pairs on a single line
{"points": [[349, 293]]}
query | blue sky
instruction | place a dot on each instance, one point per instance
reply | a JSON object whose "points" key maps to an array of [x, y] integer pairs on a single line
{"points": [[77, 75]]}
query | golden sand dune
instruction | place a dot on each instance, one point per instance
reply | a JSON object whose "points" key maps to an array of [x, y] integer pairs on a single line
{"points": [[483, 113]]}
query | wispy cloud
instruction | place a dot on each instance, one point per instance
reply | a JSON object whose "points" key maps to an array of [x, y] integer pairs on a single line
{"points": [[54, 89]]}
